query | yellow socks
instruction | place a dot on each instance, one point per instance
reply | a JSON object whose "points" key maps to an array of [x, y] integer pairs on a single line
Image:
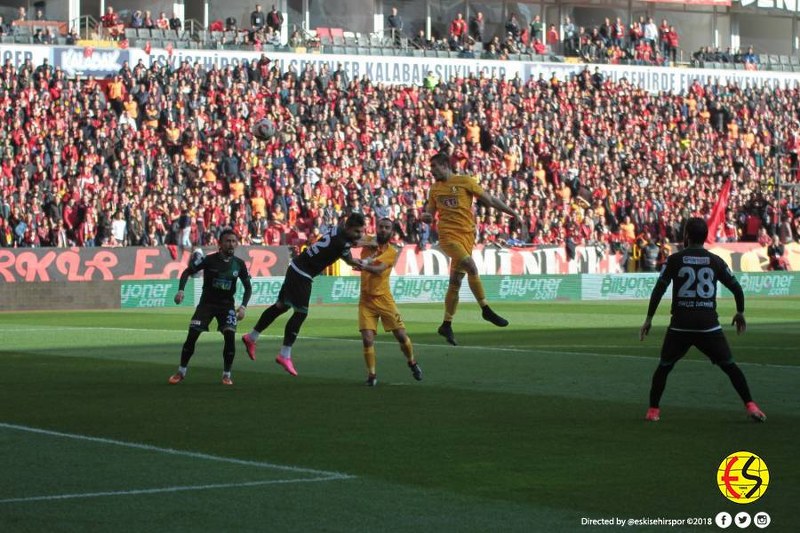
{"points": [[369, 359], [450, 302], [408, 350], [476, 286]]}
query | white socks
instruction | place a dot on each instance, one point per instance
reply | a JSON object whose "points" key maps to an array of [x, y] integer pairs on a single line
{"points": [[286, 351]]}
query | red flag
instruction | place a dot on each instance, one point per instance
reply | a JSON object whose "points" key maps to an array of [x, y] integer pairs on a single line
{"points": [[717, 215], [88, 51], [169, 48], [147, 47]]}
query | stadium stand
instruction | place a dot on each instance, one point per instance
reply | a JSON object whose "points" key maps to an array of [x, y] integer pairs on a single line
{"points": [[586, 160]]}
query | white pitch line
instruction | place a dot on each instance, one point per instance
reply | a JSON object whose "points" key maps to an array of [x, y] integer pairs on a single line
{"points": [[170, 489], [509, 349], [171, 451], [550, 352]]}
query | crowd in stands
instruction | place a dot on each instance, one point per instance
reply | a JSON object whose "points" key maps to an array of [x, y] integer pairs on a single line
{"points": [[264, 27], [166, 155], [40, 29], [642, 42], [708, 54]]}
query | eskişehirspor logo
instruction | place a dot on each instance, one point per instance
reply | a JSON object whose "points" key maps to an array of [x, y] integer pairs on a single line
{"points": [[743, 477]]}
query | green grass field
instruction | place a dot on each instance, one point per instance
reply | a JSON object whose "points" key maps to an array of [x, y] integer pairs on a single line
{"points": [[529, 428]]}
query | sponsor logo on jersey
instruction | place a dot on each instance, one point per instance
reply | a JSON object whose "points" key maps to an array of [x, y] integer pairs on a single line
{"points": [[693, 260], [222, 284], [450, 201]]}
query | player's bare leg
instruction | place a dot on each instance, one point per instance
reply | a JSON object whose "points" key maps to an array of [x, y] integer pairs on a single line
{"points": [[264, 321]]}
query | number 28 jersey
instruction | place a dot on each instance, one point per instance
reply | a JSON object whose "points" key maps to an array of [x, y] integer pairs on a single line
{"points": [[694, 273]]}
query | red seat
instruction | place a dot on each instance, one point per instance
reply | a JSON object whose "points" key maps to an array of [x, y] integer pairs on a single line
{"points": [[337, 34], [324, 35]]}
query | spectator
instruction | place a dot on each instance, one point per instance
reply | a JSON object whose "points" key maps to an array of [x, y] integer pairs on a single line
{"points": [[512, 26], [672, 45], [618, 34], [421, 42], [119, 229], [163, 22], [477, 27], [750, 58], [148, 21], [137, 19], [275, 20], [537, 29], [258, 19], [570, 37], [775, 253], [552, 39], [111, 24], [663, 36], [651, 35], [458, 30], [394, 23], [175, 23], [467, 52]]}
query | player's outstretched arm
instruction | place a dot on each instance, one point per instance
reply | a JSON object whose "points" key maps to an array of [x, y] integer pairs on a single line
{"points": [[358, 264], [497, 203]]}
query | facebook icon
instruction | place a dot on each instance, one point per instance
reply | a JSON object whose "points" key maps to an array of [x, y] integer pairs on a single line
{"points": [[723, 520]]}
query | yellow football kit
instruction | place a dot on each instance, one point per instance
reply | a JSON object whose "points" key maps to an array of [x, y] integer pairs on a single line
{"points": [[376, 300], [453, 200]]}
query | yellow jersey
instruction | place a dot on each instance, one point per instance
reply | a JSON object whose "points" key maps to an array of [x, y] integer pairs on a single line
{"points": [[373, 285], [453, 200]]}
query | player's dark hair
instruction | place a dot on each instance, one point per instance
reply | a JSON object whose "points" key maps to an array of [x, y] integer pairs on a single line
{"points": [[440, 159], [696, 230], [227, 231], [355, 220]]}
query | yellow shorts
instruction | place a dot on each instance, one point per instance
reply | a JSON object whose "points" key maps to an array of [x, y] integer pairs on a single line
{"points": [[383, 308], [457, 249]]}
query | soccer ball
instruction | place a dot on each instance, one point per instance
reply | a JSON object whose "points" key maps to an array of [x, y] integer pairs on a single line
{"points": [[264, 129]]}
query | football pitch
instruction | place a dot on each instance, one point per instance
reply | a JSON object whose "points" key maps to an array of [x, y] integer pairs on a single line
{"points": [[535, 427]]}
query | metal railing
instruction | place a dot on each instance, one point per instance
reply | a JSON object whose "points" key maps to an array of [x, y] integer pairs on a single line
{"points": [[86, 26], [193, 26]]}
